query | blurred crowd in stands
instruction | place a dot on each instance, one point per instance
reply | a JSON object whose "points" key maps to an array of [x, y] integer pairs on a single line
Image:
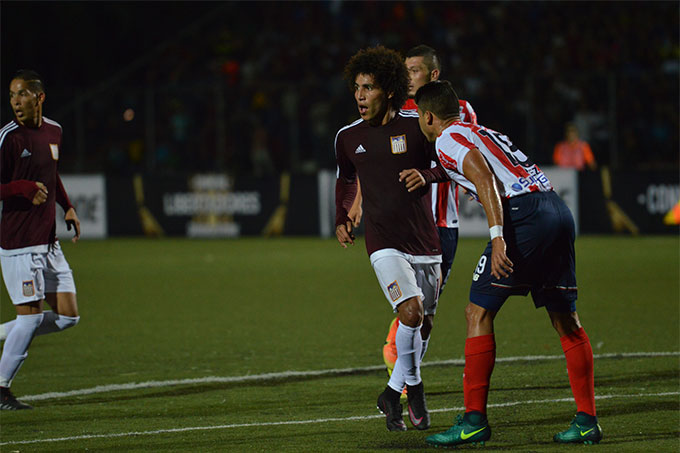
{"points": [[256, 88]]}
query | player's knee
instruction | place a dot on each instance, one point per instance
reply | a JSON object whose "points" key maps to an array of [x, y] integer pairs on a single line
{"points": [[564, 323], [411, 312], [475, 315]]}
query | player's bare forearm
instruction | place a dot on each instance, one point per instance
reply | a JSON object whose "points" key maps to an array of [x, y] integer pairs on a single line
{"points": [[477, 171]]}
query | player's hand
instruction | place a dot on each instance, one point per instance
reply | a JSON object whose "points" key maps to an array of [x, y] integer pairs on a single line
{"points": [[413, 179], [355, 214], [41, 195], [71, 219], [501, 266], [344, 234]]}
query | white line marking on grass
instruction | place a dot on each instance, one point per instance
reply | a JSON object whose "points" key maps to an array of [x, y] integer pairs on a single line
{"points": [[304, 374], [308, 422]]}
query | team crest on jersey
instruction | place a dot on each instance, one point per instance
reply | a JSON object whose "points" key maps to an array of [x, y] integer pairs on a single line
{"points": [[398, 144], [394, 290], [55, 151], [27, 288]]}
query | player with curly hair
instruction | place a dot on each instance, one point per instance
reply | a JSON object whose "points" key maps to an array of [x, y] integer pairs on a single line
{"points": [[401, 238]]}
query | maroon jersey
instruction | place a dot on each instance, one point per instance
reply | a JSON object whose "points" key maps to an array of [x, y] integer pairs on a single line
{"points": [[29, 154], [394, 218]]}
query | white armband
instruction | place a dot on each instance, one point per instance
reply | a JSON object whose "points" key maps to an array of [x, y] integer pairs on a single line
{"points": [[496, 231]]}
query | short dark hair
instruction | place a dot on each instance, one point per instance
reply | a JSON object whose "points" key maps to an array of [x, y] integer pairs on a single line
{"points": [[32, 79], [439, 98], [387, 68], [430, 58]]}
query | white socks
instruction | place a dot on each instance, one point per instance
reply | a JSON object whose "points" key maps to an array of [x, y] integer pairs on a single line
{"points": [[16, 346], [52, 322], [409, 350]]}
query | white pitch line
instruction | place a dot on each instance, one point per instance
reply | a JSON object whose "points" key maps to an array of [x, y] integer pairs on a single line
{"points": [[308, 422], [305, 374]]}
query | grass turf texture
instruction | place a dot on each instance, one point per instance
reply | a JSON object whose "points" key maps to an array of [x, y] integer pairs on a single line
{"points": [[159, 310]]}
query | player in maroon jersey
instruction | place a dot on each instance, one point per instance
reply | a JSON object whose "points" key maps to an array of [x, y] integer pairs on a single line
{"points": [[401, 238], [33, 265]]}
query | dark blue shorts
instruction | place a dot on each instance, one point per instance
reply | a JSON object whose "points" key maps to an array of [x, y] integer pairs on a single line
{"points": [[449, 244], [539, 233]]}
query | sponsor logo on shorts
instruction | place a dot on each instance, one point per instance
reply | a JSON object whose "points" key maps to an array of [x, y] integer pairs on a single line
{"points": [[27, 288], [393, 289], [398, 144]]}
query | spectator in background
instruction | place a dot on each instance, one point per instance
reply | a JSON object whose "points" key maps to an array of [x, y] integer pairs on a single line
{"points": [[573, 152]]}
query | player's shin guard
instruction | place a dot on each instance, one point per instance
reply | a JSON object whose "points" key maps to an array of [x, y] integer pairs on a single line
{"points": [[16, 346], [579, 355], [407, 367], [480, 357]]}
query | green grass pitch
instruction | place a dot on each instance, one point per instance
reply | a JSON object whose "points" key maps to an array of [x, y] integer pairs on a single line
{"points": [[274, 345]]}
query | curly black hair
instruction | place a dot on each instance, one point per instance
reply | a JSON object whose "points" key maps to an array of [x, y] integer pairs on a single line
{"points": [[387, 68]]}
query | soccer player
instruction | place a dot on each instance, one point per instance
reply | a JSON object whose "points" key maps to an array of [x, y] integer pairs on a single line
{"points": [[401, 238], [531, 250], [423, 66], [33, 265]]}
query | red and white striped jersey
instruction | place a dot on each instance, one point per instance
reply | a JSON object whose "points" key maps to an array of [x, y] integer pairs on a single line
{"points": [[517, 173], [445, 194]]}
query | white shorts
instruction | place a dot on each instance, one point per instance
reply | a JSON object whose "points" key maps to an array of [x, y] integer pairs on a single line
{"points": [[402, 276], [30, 275]]}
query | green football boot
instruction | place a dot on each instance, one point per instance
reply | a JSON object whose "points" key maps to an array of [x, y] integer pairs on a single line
{"points": [[583, 429], [463, 432]]}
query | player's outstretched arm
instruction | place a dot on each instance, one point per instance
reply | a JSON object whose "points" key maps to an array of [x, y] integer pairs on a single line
{"points": [[477, 171], [415, 179]]}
